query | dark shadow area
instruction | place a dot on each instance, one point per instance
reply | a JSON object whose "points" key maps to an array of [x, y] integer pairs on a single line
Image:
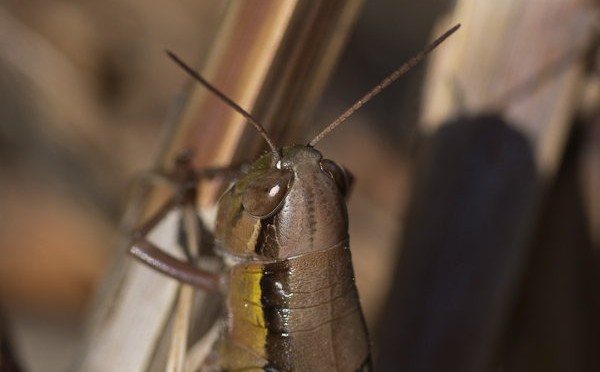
{"points": [[466, 243], [556, 326], [8, 357]]}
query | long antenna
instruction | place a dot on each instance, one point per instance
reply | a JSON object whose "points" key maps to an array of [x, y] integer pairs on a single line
{"points": [[226, 99], [381, 86]]}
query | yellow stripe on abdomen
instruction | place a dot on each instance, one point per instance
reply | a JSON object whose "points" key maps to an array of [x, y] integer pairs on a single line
{"points": [[247, 318]]}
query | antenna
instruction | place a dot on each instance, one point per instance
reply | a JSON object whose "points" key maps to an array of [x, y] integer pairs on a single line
{"points": [[225, 99], [381, 86]]}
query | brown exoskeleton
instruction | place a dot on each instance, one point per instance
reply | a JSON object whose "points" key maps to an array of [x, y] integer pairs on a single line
{"points": [[282, 231]]}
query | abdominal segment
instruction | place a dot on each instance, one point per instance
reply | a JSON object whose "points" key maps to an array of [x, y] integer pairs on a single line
{"points": [[297, 314]]}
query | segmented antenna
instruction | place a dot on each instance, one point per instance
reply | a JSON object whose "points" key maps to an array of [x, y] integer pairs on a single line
{"points": [[225, 99], [381, 86]]}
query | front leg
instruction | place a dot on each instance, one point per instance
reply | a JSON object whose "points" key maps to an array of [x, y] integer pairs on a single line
{"points": [[182, 271], [185, 184], [151, 255]]}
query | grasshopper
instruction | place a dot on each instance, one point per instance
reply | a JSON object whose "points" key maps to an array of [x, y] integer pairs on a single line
{"points": [[282, 232]]}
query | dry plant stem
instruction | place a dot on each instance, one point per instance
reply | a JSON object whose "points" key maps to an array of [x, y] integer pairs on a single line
{"points": [[272, 57], [504, 45], [138, 288], [281, 56], [178, 350], [190, 220], [516, 67], [225, 99], [201, 349]]}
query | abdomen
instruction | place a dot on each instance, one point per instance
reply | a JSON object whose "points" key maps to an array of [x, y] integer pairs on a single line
{"points": [[298, 314]]}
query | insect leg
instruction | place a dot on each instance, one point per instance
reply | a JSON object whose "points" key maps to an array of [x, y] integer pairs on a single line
{"points": [[184, 272], [184, 181], [148, 253]]}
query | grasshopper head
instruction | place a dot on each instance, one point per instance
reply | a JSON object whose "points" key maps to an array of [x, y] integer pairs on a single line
{"points": [[285, 206]]}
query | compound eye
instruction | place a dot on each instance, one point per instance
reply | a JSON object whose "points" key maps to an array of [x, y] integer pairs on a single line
{"points": [[263, 196], [340, 176]]}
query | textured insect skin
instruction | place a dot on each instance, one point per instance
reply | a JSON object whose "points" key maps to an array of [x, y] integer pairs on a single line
{"points": [[282, 230], [291, 297]]}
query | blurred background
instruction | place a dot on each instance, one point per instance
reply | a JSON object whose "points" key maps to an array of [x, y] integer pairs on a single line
{"points": [[461, 233]]}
